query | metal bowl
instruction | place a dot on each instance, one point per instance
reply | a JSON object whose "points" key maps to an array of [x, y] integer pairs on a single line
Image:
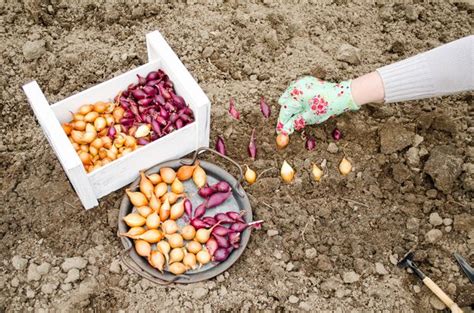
{"points": [[237, 202]]}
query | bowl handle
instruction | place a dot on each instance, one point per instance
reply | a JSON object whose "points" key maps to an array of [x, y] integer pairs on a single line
{"points": [[238, 185]]}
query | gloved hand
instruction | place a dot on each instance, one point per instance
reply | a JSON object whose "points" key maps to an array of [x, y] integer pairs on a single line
{"points": [[309, 101]]}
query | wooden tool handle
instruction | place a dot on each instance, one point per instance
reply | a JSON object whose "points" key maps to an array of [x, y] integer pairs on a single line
{"points": [[442, 295]]}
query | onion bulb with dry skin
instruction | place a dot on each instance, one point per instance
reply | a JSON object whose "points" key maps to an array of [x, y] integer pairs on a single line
{"points": [[203, 257], [134, 231], [165, 210], [185, 172], [189, 261], [84, 109], [199, 176], [345, 167], [144, 211], [177, 210], [316, 172], [177, 268], [203, 234], [136, 198], [282, 141], [153, 221], [146, 186], [171, 197], [155, 203], [175, 240], [250, 176], [169, 227], [164, 247], [154, 178], [193, 246], [142, 247], [161, 189], [151, 236], [188, 232], [167, 174], [100, 107], [177, 186], [176, 255], [157, 260], [134, 220], [287, 173], [100, 123], [90, 117], [142, 131]]}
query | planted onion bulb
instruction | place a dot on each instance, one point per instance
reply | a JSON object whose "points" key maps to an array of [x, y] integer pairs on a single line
{"points": [[142, 247], [199, 177], [177, 268], [250, 176], [188, 232], [169, 227], [157, 260], [345, 167], [282, 141], [203, 257], [134, 220], [175, 240], [137, 198], [287, 173], [167, 174], [146, 186], [193, 246], [176, 255], [316, 172]]}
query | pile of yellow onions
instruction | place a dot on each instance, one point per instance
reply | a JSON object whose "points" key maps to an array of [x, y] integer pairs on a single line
{"points": [[96, 135], [158, 205]]}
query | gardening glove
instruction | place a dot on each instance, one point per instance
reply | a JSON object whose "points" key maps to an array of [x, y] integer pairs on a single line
{"points": [[310, 100]]}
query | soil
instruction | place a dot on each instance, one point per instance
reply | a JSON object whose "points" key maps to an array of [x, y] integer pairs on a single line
{"points": [[324, 246]]}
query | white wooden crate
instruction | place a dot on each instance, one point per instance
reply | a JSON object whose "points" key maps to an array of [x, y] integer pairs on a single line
{"points": [[100, 182]]}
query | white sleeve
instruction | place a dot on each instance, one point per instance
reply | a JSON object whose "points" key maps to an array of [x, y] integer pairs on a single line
{"points": [[442, 71]]}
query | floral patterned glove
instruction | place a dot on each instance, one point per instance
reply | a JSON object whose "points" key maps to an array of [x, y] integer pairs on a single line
{"points": [[310, 100]]}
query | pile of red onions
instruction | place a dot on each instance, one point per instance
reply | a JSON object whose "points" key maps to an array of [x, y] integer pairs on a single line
{"points": [[223, 239], [153, 102]]}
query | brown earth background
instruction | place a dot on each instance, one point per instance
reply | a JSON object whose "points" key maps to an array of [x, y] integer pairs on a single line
{"points": [[325, 246]]}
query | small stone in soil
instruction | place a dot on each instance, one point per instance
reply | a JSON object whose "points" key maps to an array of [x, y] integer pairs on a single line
{"points": [[435, 219], [289, 267], [393, 259], [293, 299], [311, 253], [72, 276], [416, 288], [350, 277], [15, 282], [33, 273], [43, 268], [48, 288], [272, 232], [19, 263], [348, 54], [34, 49], [444, 166], [380, 269], [447, 221], [30, 294], [74, 262], [277, 255], [332, 148], [433, 235], [115, 267], [200, 293]]}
